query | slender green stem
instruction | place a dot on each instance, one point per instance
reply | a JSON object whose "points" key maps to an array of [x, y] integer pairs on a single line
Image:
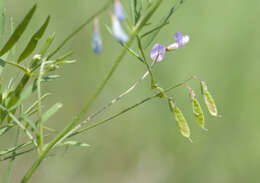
{"points": [[17, 154], [105, 7], [158, 94], [145, 61], [19, 66], [91, 116], [113, 117], [40, 135], [132, 52], [70, 126], [18, 123], [178, 85], [11, 163], [15, 148]]}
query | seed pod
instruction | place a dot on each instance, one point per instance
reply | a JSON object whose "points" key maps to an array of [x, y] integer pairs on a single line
{"points": [[209, 101], [198, 113], [181, 121], [204, 87]]}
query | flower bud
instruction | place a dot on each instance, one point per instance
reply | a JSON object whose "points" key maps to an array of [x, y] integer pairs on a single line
{"points": [[97, 41], [118, 32], [118, 10]]}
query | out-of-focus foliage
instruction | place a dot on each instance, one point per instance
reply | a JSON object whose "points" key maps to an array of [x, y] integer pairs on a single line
{"points": [[145, 145]]}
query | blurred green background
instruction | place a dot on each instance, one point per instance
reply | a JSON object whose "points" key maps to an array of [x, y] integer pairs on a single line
{"points": [[145, 145]]}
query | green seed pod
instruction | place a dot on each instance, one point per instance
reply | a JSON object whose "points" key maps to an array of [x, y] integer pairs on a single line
{"points": [[209, 101], [181, 121], [204, 87], [210, 104], [198, 113]]}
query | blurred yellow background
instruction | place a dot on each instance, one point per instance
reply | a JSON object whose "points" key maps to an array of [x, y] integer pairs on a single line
{"points": [[145, 145]]}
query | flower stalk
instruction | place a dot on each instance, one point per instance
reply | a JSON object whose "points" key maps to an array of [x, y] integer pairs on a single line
{"points": [[71, 125]]}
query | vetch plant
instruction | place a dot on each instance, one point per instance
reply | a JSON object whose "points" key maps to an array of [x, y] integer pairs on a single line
{"points": [[37, 64]]}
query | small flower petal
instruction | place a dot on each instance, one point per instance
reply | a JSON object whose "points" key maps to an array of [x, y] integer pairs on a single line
{"points": [[185, 40], [158, 52], [97, 42], [178, 38], [173, 46], [118, 32], [118, 10]]}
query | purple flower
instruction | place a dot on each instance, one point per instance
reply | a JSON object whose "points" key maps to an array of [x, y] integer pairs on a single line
{"points": [[158, 52], [118, 10], [180, 39], [118, 32], [97, 41]]}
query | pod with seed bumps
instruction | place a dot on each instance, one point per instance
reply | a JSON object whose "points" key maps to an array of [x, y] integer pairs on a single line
{"points": [[209, 101], [181, 121], [197, 110]]}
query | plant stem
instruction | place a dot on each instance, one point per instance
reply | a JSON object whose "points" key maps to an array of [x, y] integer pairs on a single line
{"points": [[40, 135], [158, 94], [11, 163], [91, 116], [19, 124], [17, 154], [70, 126], [114, 116], [17, 94], [145, 61], [94, 114]]}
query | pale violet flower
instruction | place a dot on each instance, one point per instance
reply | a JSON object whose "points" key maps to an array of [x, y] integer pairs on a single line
{"points": [[118, 31], [118, 10], [180, 41], [158, 52], [97, 41]]}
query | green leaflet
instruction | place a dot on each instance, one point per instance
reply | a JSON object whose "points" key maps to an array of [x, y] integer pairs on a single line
{"points": [[4, 130], [135, 12], [29, 122], [18, 32], [47, 44], [74, 143], [25, 94], [34, 41], [50, 78], [49, 113], [31, 109], [18, 66], [180, 119], [2, 65]]}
